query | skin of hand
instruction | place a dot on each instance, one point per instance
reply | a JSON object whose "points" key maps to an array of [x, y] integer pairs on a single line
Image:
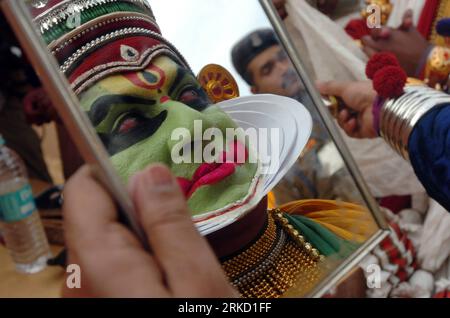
{"points": [[385, 32], [406, 43], [358, 96], [327, 6], [280, 5], [113, 262]]}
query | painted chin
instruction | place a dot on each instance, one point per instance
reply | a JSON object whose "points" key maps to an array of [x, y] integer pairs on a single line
{"points": [[209, 174]]}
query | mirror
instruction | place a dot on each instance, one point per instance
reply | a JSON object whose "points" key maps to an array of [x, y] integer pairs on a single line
{"points": [[139, 90]]}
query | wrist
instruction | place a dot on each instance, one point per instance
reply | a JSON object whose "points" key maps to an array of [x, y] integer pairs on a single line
{"points": [[376, 111], [399, 116]]}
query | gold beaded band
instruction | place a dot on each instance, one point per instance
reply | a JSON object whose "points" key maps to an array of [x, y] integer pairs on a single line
{"points": [[296, 236], [399, 116], [244, 262], [279, 260]]}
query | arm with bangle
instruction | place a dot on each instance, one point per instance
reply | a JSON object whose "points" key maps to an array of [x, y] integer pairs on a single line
{"points": [[417, 126]]}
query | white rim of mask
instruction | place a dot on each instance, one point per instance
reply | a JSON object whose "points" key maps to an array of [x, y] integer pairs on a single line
{"points": [[276, 115]]}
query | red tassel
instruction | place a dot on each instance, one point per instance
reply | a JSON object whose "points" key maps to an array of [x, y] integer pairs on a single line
{"points": [[378, 61], [357, 28], [389, 82]]}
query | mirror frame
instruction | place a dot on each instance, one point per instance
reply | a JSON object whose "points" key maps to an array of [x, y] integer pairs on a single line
{"points": [[93, 152], [349, 263]]}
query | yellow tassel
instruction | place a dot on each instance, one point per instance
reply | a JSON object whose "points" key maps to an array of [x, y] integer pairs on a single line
{"points": [[346, 220]]}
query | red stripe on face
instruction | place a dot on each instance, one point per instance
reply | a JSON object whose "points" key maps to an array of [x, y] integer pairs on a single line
{"points": [[164, 99], [138, 80]]}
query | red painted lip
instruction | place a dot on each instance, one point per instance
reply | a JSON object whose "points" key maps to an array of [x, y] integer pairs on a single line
{"points": [[211, 173]]}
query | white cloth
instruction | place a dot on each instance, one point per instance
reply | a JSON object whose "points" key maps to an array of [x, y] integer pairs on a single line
{"points": [[431, 239], [333, 50], [421, 285], [442, 278], [434, 246], [337, 57], [385, 286]]}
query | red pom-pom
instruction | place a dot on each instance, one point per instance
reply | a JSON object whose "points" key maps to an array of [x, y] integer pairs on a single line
{"points": [[380, 60], [389, 82], [357, 28]]}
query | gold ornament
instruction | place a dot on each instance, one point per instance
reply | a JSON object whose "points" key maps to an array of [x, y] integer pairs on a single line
{"points": [[218, 83], [437, 68], [278, 261]]}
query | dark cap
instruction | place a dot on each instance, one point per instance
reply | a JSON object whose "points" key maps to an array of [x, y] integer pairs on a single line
{"points": [[249, 47]]}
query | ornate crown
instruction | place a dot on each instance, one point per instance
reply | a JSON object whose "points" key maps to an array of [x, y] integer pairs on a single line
{"points": [[92, 39]]}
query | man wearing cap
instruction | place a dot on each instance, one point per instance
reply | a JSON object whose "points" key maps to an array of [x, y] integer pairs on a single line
{"points": [[263, 64]]}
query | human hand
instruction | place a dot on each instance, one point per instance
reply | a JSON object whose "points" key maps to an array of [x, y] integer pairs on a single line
{"points": [[358, 96], [113, 262], [406, 43], [385, 32]]}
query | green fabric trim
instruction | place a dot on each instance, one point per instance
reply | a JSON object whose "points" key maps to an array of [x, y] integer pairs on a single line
{"points": [[90, 14], [325, 241]]}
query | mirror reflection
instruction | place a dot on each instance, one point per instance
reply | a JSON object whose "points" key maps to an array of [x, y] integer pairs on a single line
{"points": [[339, 41], [157, 91]]}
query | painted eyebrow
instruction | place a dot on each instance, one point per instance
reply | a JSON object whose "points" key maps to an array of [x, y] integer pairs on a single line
{"points": [[181, 74], [101, 106]]}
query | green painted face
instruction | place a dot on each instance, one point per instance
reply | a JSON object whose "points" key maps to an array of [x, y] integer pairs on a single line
{"points": [[135, 115]]}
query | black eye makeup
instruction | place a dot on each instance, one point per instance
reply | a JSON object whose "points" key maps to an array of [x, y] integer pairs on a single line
{"points": [[130, 129], [126, 122], [187, 90], [193, 97]]}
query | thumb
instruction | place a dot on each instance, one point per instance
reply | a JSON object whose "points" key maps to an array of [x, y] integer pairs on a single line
{"points": [[189, 265], [407, 20]]}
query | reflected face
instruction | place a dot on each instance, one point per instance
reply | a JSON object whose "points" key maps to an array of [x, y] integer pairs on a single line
{"points": [[135, 115], [273, 73]]}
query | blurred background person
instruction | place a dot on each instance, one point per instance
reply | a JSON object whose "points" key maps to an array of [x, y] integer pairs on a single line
{"points": [[263, 63], [20, 85]]}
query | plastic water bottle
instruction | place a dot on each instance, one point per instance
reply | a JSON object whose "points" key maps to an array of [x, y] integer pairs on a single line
{"points": [[20, 223]]}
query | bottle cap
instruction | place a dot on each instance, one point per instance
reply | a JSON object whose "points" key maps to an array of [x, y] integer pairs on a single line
{"points": [[2, 141]]}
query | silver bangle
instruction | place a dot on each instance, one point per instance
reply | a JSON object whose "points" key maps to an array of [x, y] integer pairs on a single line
{"points": [[399, 116]]}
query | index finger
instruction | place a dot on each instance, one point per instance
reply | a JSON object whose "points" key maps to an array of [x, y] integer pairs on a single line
{"points": [[334, 88], [367, 41]]}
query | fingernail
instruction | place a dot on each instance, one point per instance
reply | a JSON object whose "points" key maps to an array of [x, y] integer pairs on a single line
{"points": [[159, 178]]}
